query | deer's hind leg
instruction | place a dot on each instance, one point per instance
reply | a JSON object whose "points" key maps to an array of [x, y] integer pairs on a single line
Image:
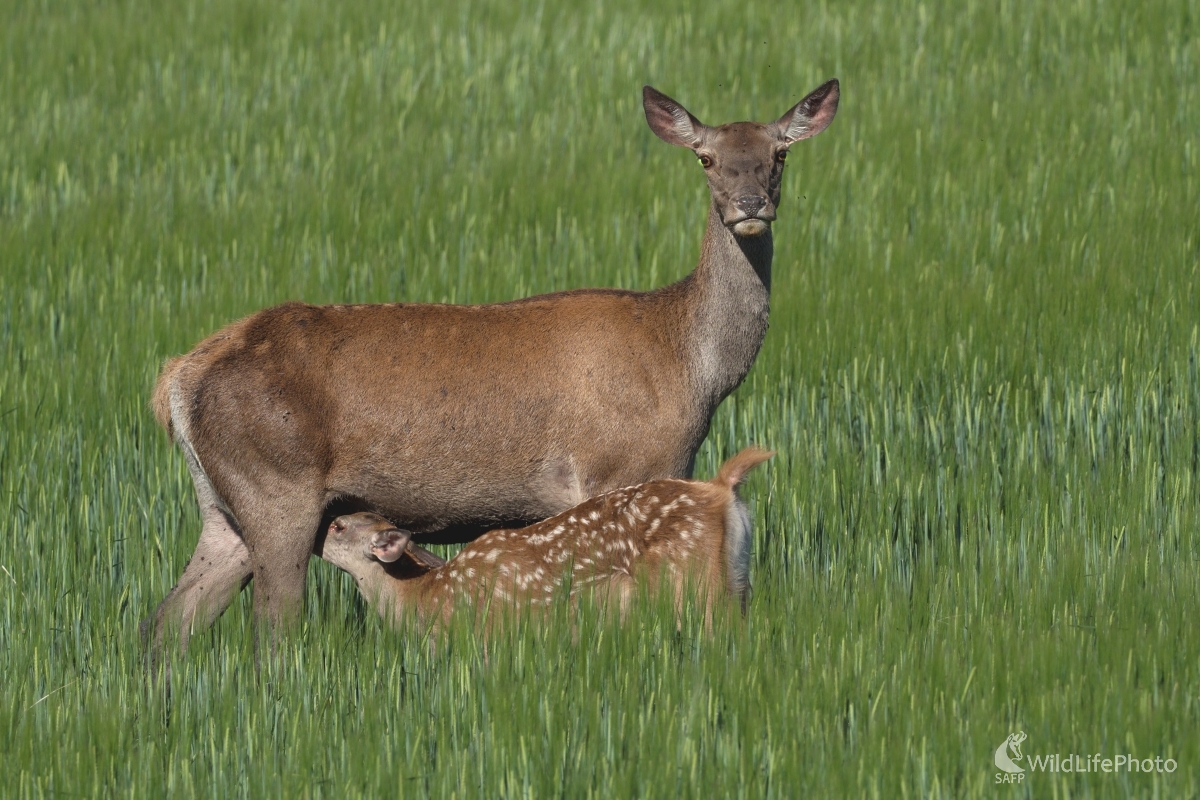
{"points": [[280, 531], [218, 569]]}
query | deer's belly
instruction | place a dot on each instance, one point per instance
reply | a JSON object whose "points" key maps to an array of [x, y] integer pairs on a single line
{"points": [[477, 476]]}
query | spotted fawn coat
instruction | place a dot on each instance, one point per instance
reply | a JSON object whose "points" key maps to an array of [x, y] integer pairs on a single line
{"points": [[694, 534]]}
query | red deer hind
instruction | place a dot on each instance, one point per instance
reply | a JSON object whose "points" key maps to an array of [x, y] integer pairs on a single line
{"points": [[451, 419]]}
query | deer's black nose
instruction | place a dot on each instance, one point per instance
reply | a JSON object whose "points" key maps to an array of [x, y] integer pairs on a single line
{"points": [[750, 204]]}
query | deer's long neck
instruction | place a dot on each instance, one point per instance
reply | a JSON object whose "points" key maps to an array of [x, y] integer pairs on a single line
{"points": [[728, 297]]}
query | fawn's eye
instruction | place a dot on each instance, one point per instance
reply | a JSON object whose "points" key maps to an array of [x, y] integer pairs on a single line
{"points": [[781, 156], [705, 160]]}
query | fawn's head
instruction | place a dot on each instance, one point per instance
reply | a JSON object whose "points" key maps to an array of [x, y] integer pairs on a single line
{"points": [[743, 160], [355, 541]]}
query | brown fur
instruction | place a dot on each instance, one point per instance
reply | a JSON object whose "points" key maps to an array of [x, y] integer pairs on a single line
{"points": [[734, 471], [611, 544], [160, 403], [452, 419]]}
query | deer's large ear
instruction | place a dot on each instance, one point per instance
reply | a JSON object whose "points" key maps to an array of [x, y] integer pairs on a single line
{"points": [[423, 558], [811, 115], [670, 121], [389, 545]]}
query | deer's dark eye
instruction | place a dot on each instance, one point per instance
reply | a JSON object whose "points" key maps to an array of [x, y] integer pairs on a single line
{"points": [[705, 161], [781, 156]]}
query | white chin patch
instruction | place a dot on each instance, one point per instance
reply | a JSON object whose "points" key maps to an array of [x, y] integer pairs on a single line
{"points": [[750, 227]]}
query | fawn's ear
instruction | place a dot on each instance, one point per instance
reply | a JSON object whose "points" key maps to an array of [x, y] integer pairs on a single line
{"points": [[423, 558], [811, 115], [389, 545], [670, 121]]}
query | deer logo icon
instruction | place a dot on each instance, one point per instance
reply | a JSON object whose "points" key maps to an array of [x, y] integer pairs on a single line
{"points": [[1012, 743]]}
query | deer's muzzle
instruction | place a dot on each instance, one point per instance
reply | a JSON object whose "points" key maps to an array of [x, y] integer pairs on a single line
{"points": [[753, 215]]}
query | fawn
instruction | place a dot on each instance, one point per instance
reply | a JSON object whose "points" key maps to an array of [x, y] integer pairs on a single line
{"points": [[695, 534]]}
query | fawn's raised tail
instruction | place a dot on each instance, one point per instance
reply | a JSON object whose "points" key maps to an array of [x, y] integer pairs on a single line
{"points": [[738, 534], [734, 471]]}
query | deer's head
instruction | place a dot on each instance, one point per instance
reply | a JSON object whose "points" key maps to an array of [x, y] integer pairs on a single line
{"points": [[354, 541], [743, 160]]}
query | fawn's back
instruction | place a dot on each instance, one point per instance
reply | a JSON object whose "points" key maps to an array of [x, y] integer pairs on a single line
{"points": [[690, 533]]}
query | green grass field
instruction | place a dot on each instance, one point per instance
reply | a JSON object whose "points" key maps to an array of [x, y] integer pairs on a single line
{"points": [[982, 377]]}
